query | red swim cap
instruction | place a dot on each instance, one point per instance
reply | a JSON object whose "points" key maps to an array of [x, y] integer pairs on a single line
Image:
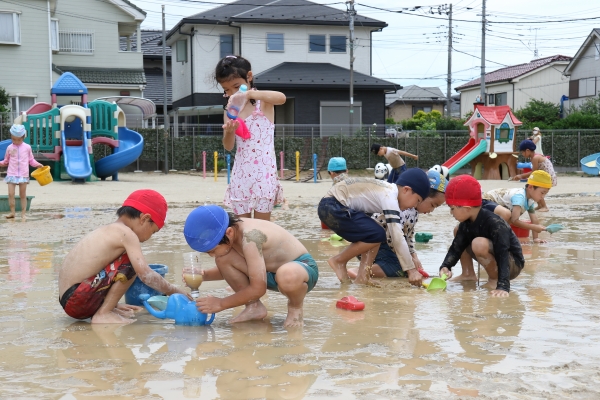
{"points": [[150, 202], [464, 190]]}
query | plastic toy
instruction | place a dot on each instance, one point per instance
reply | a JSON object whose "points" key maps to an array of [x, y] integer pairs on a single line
{"points": [[350, 303], [436, 283], [554, 228], [179, 308], [423, 237], [42, 175], [236, 104], [423, 273], [132, 296]]}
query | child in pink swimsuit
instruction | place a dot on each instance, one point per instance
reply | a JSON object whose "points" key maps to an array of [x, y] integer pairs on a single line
{"points": [[254, 183]]}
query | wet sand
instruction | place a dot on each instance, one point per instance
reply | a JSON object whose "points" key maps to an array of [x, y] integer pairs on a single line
{"points": [[541, 342]]}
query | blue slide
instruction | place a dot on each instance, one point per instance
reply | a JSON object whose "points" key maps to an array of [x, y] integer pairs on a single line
{"points": [[76, 159], [130, 148], [3, 146]]}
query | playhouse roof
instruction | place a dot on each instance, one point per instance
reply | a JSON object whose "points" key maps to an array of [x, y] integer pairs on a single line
{"points": [[495, 114]]}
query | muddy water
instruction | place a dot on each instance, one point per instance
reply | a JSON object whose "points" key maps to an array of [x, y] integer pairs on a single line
{"points": [[541, 342]]}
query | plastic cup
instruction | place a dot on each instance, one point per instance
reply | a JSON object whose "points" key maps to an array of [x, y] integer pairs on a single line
{"points": [[192, 272]]}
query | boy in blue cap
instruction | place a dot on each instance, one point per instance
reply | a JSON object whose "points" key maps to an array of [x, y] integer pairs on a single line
{"points": [[338, 171], [252, 255], [344, 210]]}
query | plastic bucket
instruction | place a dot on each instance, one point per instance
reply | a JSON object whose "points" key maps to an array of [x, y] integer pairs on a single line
{"points": [[132, 296], [42, 175], [520, 232]]}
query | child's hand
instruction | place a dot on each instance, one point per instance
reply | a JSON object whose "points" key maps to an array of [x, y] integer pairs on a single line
{"points": [[447, 272], [498, 293], [230, 127], [414, 277], [209, 304]]}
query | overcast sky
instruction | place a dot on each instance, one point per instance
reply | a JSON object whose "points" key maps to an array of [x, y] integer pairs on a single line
{"points": [[413, 49]]}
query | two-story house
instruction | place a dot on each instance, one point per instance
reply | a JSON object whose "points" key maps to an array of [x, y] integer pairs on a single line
{"points": [[584, 71], [40, 40], [295, 46]]}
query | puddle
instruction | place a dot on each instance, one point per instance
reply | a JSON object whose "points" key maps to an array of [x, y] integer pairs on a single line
{"points": [[541, 342]]}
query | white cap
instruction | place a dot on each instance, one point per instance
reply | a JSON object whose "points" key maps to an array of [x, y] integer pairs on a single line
{"points": [[18, 130], [536, 129]]}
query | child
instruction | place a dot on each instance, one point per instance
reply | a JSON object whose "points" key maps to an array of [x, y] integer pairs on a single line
{"points": [[481, 235], [254, 184], [538, 162], [102, 266], [252, 256], [536, 138], [337, 169], [386, 262], [510, 204], [344, 210], [18, 158], [393, 157]]}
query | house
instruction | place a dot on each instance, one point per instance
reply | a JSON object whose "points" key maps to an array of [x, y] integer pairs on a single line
{"points": [[584, 71], [83, 42], [408, 101], [305, 41], [540, 79]]}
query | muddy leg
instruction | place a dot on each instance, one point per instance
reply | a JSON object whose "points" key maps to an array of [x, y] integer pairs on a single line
{"points": [[237, 280], [366, 262], [23, 196], [108, 313], [542, 206], [481, 249], [11, 200], [338, 263], [292, 281]]}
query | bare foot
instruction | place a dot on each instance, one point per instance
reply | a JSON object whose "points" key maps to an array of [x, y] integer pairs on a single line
{"points": [[490, 284], [122, 306], [124, 313], [111, 318], [361, 280], [253, 312], [9, 216], [543, 209], [294, 318], [464, 277], [340, 270]]}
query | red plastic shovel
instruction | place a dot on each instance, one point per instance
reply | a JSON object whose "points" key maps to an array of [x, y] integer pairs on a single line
{"points": [[350, 303]]}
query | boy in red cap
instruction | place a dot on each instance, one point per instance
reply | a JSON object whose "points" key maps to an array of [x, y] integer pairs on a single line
{"points": [[482, 236], [102, 266]]}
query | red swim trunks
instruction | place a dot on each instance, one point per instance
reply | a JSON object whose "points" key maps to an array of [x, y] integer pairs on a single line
{"points": [[82, 300]]}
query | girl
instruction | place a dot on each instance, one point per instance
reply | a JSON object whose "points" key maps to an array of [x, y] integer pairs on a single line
{"points": [[254, 184], [18, 158], [536, 138]]}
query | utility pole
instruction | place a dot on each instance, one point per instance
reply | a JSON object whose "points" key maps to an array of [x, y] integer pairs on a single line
{"points": [[482, 93], [449, 80], [165, 116], [351, 14]]}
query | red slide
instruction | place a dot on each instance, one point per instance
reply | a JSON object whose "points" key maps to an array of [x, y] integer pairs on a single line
{"points": [[461, 153], [39, 108]]}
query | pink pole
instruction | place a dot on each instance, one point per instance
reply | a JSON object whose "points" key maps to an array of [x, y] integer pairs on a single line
{"points": [[204, 164], [281, 164]]}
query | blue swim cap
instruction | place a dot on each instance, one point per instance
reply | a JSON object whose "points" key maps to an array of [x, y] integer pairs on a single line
{"points": [[205, 227], [18, 130], [436, 181], [417, 180], [337, 164]]}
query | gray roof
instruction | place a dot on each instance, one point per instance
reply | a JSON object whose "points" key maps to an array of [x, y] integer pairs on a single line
{"points": [[154, 86], [134, 6], [296, 12], [150, 44], [414, 93], [115, 76], [317, 75]]}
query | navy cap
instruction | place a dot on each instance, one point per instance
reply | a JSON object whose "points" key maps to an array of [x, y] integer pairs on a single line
{"points": [[527, 145], [205, 227], [417, 179]]}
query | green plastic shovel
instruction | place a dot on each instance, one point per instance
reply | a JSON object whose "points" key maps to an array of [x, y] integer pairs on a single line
{"points": [[436, 284]]}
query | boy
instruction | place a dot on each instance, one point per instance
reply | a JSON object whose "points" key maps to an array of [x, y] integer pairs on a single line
{"points": [[252, 255], [510, 204], [337, 169], [481, 235], [102, 266], [344, 210], [393, 157], [386, 262]]}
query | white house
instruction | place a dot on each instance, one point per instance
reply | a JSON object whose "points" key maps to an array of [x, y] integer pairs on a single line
{"points": [[584, 71], [297, 38], [540, 79]]}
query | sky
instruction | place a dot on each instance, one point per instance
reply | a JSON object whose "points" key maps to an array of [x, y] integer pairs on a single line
{"points": [[413, 49]]}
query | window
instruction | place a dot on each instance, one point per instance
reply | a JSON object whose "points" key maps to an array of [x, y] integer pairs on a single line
{"points": [[274, 41], [587, 87], [10, 27], [316, 43], [81, 41], [498, 99], [181, 48], [21, 103], [226, 45], [337, 44], [54, 34], [416, 109]]}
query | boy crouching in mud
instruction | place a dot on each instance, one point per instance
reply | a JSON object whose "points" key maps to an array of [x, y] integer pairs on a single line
{"points": [[252, 255], [102, 266]]}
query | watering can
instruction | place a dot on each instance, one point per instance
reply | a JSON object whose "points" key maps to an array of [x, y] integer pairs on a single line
{"points": [[436, 284], [179, 308]]}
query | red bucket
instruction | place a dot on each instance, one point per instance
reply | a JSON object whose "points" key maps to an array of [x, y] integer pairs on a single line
{"points": [[323, 226], [520, 232]]}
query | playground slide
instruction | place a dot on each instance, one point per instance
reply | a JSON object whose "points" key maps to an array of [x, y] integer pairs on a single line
{"points": [[130, 148], [3, 146], [590, 164], [465, 155], [76, 159]]}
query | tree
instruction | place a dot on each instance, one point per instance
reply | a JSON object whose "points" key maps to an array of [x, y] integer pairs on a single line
{"points": [[540, 113], [4, 104]]}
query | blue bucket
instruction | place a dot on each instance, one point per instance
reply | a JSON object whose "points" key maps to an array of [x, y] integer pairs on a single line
{"points": [[132, 296]]}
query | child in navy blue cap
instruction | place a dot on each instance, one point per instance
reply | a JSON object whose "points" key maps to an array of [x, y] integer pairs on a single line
{"points": [[344, 210], [338, 171]]}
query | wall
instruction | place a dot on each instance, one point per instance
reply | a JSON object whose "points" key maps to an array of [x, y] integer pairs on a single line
{"points": [[404, 111], [586, 67]]}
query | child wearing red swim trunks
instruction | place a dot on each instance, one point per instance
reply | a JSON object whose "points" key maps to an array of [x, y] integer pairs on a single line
{"points": [[102, 266]]}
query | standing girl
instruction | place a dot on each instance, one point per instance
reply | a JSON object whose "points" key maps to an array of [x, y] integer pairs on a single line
{"points": [[536, 138], [254, 184], [18, 158]]}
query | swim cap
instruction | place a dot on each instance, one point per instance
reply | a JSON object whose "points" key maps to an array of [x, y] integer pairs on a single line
{"points": [[18, 130], [417, 180], [527, 145], [337, 164], [436, 181], [150, 202], [375, 148], [463, 190], [205, 227], [540, 179]]}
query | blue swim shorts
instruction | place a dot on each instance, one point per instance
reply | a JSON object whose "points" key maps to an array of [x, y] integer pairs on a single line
{"points": [[308, 263], [354, 226], [488, 205], [388, 262]]}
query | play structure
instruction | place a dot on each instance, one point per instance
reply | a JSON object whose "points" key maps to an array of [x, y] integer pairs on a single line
{"points": [[591, 164], [491, 147], [62, 136]]}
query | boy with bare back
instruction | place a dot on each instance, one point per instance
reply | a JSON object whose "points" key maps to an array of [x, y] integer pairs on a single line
{"points": [[252, 255], [102, 266]]}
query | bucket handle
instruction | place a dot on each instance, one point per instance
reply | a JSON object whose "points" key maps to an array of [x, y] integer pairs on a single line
{"points": [[212, 317]]}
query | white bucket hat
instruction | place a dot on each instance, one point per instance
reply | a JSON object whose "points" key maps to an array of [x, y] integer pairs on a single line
{"points": [[18, 130]]}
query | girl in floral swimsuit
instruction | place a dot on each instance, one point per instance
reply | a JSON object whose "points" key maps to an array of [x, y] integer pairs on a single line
{"points": [[254, 183]]}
